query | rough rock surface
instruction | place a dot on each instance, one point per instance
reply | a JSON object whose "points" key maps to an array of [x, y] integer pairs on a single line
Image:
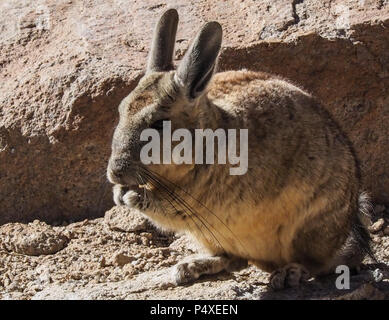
{"points": [[100, 263], [124, 219], [65, 65], [33, 239]]}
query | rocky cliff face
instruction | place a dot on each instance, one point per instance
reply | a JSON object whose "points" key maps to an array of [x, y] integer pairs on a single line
{"points": [[65, 66]]}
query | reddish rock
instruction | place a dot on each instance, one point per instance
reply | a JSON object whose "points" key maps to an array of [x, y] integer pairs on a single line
{"points": [[65, 66], [121, 218], [33, 239]]}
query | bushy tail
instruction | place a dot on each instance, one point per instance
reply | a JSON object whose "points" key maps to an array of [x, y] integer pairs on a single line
{"points": [[360, 224]]}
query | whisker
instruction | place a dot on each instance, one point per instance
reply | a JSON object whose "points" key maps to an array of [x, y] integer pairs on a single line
{"points": [[174, 208], [140, 181], [161, 207], [196, 200], [191, 216], [182, 202]]}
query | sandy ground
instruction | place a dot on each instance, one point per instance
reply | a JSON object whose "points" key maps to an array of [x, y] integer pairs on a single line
{"points": [[121, 256]]}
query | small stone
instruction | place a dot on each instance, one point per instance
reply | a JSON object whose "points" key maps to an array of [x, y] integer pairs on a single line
{"points": [[386, 231], [69, 234], [103, 262], [139, 255], [128, 270], [102, 240], [7, 282], [76, 275], [376, 239], [147, 235], [184, 243], [121, 259], [377, 275], [33, 239], [135, 262], [121, 218], [80, 223], [377, 226], [45, 278]]}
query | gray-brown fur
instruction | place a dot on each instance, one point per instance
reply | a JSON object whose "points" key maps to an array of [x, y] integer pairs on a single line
{"points": [[298, 202]]}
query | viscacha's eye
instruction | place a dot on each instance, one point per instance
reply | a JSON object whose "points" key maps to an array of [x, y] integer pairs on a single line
{"points": [[158, 125]]}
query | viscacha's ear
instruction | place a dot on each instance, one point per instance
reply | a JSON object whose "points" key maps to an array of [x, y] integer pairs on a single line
{"points": [[162, 46], [197, 66]]}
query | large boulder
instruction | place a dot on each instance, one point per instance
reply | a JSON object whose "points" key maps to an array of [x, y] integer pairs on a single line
{"points": [[65, 66]]}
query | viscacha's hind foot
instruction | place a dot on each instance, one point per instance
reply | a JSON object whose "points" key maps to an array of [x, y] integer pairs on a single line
{"points": [[192, 268], [291, 275]]}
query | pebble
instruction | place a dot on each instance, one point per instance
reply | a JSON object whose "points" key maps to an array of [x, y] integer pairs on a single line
{"points": [[377, 226], [33, 239], [123, 219], [147, 235], [121, 259], [128, 269], [102, 262], [376, 239], [135, 262]]}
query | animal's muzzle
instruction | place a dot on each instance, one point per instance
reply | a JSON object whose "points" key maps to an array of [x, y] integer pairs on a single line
{"points": [[116, 171]]}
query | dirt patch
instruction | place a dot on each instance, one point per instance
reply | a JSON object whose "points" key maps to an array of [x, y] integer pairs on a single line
{"points": [[102, 259]]}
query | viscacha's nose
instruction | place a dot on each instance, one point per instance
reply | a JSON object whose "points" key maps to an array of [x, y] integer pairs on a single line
{"points": [[115, 171]]}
